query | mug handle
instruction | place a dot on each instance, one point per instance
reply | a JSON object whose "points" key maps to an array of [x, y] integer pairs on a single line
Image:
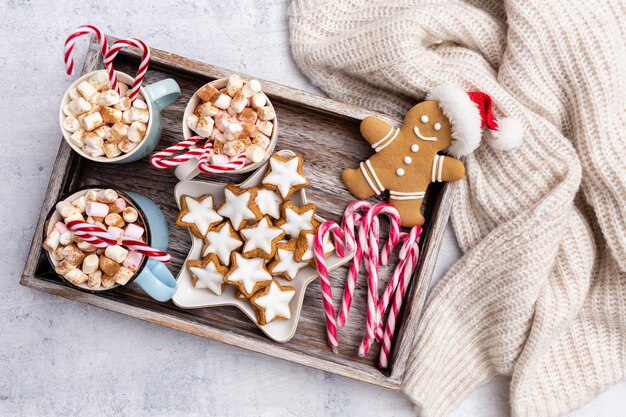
{"points": [[163, 93], [157, 281]]}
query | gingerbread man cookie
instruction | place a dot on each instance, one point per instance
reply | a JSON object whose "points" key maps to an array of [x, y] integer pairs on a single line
{"points": [[408, 159]]}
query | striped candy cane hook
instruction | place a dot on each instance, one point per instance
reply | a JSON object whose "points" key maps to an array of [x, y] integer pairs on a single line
{"points": [[143, 66], [70, 42]]}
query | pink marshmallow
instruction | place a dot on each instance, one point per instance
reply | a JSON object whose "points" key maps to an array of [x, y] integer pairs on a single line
{"points": [[219, 159], [119, 205], [95, 209], [134, 231], [222, 121], [60, 227], [133, 260], [117, 233]]}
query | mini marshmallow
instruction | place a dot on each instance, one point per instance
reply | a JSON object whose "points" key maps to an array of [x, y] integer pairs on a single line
{"points": [[255, 153], [123, 89], [123, 275], [75, 216], [251, 88], [116, 253], [138, 115], [73, 255], [207, 92], [222, 121], [108, 266], [73, 94], [114, 219], [117, 232], [66, 238], [130, 214], [52, 241], [233, 147], [261, 140], [60, 227], [248, 115], [71, 124], [218, 159], [117, 133], [192, 121], [235, 83], [98, 222], [86, 246], [123, 104], [117, 206], [136, 131], [79, 106], [68, 111], [238, 103], [221, 101], [94, 280], [102, 131], [108, 281], [250, 129], [96, 209], [91, 195], [76, 138], [107, 98], [93, 145], [80, 203], [76, 276], [126, 117], [86, 90], [99, 80], [206, 109], [66, 209], [258, 100], [218, 146], [133, 260], [57, 254], [218, 136], [127, 145], [106, 196], [111, 150], [232, 113], [134, 231], [64, 267], [266, 113], [139, 104], [204, 127], [110, 115], [233, 130], [90, 264], [265, 127], [92, 121]]}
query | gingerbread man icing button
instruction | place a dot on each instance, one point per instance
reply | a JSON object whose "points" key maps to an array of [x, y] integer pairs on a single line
{"points": [[409, 158]]}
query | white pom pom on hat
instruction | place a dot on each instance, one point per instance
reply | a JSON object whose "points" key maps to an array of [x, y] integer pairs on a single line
{"points": [[469, 113]]}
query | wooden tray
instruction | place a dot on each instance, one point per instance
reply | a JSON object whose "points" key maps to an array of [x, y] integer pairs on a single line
{"points": [[326, 133]]}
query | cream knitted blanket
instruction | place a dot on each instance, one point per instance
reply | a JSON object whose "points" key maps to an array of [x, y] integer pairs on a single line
{"points": [[540, 293]]}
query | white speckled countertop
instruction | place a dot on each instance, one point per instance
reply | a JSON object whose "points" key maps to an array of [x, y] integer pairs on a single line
{"points": [[64, 358]]}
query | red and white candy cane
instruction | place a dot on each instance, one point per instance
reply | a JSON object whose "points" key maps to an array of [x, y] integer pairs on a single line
{"points": [[233, 165], [143, 66], [327, 293], [406, 272], [93, 234], [150, 252], [163, 159], [70, 42]]}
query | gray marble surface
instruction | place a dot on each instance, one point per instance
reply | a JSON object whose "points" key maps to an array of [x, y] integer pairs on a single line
{"points": [[63, 358]]}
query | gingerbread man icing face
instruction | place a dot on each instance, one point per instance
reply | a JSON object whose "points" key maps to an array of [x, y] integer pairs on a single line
{"points": [[407, 160]]}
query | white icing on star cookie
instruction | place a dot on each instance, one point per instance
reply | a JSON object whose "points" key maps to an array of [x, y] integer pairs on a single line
{"points": [[296, 219], [211, 276], [239, 206], [261, 239], [222, 242], [305, 241], [285, 264], [273, 302], [247, 274], [268, 202], [285, 175], [198, 214]]}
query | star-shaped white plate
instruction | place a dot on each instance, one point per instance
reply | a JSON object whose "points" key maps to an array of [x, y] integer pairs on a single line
{"points": [[189, 297]]}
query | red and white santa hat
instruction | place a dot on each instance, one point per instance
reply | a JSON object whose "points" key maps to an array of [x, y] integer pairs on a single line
{"points": [[469, 113]]}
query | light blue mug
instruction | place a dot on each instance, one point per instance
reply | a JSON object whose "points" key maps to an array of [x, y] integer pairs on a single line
{"points": [[152, 276], [157, 96]]}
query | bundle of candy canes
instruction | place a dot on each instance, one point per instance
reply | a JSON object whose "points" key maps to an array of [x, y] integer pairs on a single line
{"points": [[100, 238], [164, 159], [359, 232], [108, 55]]}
